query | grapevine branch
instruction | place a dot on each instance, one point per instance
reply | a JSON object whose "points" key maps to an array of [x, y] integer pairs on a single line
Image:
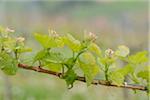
{"points": [[82, 79]]}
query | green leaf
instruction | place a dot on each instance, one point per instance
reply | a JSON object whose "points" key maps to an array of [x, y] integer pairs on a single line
{"points": [[118, 76], [138, 58], [122, 51], [94, 48], [49, 41], [70, 62], [54, 57], [144, 75], [87, 58], [8, 43], [44, 40], [126, 69], [70, 77], [20, 46], [23, 50], [53, 67], [72, 43], [8, 64], [106, 61], [148, 88], [88, 66], [40, 55], [51, 56]]}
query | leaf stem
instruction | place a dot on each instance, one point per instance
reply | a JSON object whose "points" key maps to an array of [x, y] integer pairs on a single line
{"points": [[82, 51], [106, 72], [63, 69], [16, 54]]}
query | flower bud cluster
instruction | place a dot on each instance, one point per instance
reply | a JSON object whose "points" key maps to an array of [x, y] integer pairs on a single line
{"points": [[109, 53]]}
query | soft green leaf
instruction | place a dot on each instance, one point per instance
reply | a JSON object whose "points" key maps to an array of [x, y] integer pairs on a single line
{"points": [[8, 64], [72, 43], [8, 43], [106, 61], [53, 67], [138, 58], [126, 69], [44, 40], [122, 51], [70, 62], [87, 58], [148, 89], [88, 66], [94, 48], [118, 76], [54, 57], [70, 77], [23, 50], [144, 75], [50, 56], [40, 55], [49, 41]]}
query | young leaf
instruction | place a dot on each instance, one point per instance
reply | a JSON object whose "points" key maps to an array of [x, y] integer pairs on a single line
{"points": [[44, 40], [122, 51], [23, 50], [40, 55], [70, 77], [87, 58], [106, 61], [8, 43], [10, 68], [138, 58], [70, 62], [54, 58], [126, 69], [8, 64], [88, 66], [53, 67], [72, 43], [118, 76], [144, 75], [94, 48], [49, 41]]}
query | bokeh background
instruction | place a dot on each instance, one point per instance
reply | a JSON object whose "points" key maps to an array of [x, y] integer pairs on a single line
{"points": [[114, 22]]}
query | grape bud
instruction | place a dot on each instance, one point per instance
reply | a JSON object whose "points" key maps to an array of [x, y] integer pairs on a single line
{"points": [[109, 53]]}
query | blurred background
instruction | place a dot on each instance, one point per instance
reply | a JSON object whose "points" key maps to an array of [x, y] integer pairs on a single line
{"points": [[118, 22]]}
